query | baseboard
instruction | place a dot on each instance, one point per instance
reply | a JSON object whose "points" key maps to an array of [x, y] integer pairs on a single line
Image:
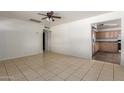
{"points": [[5, 59]]}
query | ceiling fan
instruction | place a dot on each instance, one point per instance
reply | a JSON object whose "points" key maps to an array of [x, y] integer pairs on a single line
{"points": [[49, 16]]}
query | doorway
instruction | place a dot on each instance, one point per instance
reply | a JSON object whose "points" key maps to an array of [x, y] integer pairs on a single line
{"points": [[43, 40], [106, 41], [46, 40]]}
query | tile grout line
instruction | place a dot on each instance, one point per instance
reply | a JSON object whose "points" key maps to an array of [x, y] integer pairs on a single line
{"points": [[66, 69], [59, 72], [34, 71], [87, 71], [75, 71], [21, 72], [7, 72], [56, 76], [38, 72], [101, 71], [45, 69], [52, 72]]}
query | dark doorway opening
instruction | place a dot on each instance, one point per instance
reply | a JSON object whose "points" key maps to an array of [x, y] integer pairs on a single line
{"points": [[43, 41]]}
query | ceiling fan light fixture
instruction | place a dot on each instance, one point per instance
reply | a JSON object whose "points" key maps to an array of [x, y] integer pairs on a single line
{"points": [[49, 19]]}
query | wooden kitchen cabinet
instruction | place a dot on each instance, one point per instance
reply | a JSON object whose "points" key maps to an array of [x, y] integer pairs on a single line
{"points": [[107, 35], [108, 47]]}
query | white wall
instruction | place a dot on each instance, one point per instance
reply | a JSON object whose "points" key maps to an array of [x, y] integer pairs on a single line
{"points": [[75, 38], [19, 38], [72, 39]]}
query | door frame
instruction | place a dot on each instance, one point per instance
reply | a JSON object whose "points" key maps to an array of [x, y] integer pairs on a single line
{"points": [[101, 22]]}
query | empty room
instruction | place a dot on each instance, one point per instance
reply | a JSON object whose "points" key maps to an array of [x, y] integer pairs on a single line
{"points": [[61, 46]]}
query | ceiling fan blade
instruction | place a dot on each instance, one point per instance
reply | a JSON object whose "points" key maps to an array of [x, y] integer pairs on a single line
{"points": [[35, 20], [42, 14], [44, 18], [56, 17]]}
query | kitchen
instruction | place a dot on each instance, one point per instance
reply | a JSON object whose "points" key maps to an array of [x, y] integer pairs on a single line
{"points": [[106, 41]]}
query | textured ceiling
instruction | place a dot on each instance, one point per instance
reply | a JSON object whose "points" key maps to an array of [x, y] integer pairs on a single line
{"points": [[67, 16]]}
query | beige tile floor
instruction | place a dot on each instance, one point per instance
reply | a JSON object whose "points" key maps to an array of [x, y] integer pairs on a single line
{"points": [[57, 67]]}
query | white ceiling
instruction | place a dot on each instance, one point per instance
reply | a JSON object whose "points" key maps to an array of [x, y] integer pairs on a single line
{"points": [[67, 16]]}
